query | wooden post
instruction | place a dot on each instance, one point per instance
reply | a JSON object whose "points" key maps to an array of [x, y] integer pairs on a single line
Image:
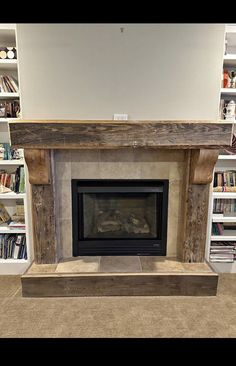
{"points": [[40, 166], [199, 169]]}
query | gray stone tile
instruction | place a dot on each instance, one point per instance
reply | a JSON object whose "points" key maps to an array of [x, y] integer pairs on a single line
{"points": [[84, 155], [160, 264], [63, 195], [42, 268], [79, 265], [65, 235], [120, 264]]}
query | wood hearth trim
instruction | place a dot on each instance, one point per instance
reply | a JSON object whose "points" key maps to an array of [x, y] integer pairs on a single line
{"points": [[120, 134]]}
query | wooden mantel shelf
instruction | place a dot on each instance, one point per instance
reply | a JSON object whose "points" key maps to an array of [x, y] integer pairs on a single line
{"points": [[105, 134]]}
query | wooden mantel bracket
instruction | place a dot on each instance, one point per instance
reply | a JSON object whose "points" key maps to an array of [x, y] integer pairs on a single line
{"points": [[202, 162], [38, 162]]}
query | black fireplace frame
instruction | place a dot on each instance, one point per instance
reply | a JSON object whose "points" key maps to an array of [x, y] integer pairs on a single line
{"points": [[93, 247]]}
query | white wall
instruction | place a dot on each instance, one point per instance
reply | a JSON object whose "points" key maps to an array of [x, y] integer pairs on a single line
{"points": [[91, 71]]}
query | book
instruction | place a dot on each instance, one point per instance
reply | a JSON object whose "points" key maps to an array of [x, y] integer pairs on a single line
{"points": [[4, 215]]}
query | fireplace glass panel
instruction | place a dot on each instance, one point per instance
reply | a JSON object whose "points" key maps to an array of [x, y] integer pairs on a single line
{"points": [[121, 215]]}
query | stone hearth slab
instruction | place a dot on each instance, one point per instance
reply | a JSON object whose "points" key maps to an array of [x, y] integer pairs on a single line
{"points": [[120, 264], [79, 264]]}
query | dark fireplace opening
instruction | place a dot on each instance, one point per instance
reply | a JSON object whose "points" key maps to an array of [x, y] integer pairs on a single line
{"points": [[119, 217]]}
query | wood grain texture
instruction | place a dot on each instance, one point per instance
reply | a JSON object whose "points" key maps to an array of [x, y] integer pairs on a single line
{"points": [[44, 222], [119, 134], [183, 208], [202, 165], [38, 162], [195, 223], [204, 284]]}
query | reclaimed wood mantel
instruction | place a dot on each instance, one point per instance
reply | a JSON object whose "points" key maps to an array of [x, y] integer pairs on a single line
{"points": [[200, 139], [101, 134]]}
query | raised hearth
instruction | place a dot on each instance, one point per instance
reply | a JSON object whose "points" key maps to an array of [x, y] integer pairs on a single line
{"points": [[119, 276]]}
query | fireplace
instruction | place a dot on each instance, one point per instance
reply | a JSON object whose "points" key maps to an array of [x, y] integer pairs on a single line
{"points": [[119, 217]]}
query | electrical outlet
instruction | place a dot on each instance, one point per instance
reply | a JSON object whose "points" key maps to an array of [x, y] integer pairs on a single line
{"points": [[121, 117]]}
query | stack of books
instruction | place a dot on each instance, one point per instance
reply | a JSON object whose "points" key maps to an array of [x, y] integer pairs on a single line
{"points": [[14, 181], [13, 246], [225, 181], [222, 251], [8, 84]]}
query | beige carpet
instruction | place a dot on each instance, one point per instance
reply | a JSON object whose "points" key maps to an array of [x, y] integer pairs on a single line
{"points": [[118, 316]]}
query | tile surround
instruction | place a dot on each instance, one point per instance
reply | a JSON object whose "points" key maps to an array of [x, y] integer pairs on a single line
{"points": [[118, 164]]}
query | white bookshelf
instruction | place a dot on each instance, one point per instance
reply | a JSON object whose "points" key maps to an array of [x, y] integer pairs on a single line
{"points": [[8, 37], [225, 162]]}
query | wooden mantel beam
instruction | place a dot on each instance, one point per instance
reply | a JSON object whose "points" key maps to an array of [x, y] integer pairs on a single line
{"points": [[96, 134]]}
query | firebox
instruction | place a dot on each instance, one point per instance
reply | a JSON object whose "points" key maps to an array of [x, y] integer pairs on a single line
{"points": [[119, 217]]}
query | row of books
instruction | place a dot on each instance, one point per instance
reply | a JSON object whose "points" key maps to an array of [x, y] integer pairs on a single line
{"points": [[223, 251], [13, 246], [8, 84], [9, 109], [225, 178], [219, 227], [9, 153], [227, 207], [14, 181]]}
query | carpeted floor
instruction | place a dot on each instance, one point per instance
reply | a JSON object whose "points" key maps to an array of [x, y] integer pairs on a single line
{"points": [[118, 316]]}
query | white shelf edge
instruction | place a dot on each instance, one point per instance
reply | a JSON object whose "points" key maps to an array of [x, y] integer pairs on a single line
{"points": [[223, 194], [223, 237], [12, 162], [9, 95], [219, 218], [13, 261], [12, 231], [7, 61], [12, 195], [227, 157], [228, 90], [8, 119]]}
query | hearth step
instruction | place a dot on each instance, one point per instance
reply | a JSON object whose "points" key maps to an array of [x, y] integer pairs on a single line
{"points": [[119, 284]]}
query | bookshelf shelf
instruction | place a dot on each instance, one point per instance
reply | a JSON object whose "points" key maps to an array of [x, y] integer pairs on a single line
{"points": [[229, 91], [12, 260], [227, 157], [11, 162], [221, 218], [223, 237], [12, 195], [8, 64], [9, 95], [225, 195], [230, 59], [7, 230]]}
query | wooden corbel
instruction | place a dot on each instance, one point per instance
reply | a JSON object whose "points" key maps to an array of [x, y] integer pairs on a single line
{"points": [[202, 162], [39, 165]]}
